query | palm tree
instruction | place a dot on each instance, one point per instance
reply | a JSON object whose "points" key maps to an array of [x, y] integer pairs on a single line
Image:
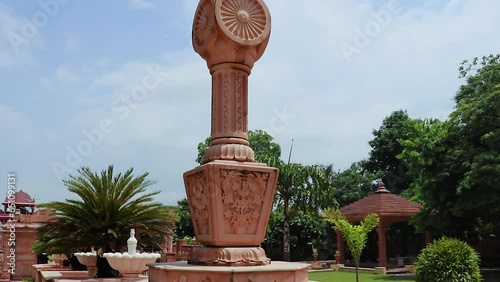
{"points": [[108, 207], [299, 188]]}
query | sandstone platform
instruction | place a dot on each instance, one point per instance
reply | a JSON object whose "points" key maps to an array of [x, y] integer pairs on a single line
{"points": [[277, 271]]}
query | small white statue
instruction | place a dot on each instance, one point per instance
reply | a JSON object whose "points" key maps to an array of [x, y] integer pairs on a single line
{"points": [[132, 243]]}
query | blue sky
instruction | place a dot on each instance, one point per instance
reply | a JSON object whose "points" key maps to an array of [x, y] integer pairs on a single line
{"points": [[332, 71]]}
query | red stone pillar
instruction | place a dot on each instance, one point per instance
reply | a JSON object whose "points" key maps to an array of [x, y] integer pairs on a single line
{"points": [[230, 196], [340, 246], [231, 36], [382, 245], [229, 137]]}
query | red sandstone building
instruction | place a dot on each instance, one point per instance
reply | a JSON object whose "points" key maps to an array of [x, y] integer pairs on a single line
{"points": [[18, 235]]}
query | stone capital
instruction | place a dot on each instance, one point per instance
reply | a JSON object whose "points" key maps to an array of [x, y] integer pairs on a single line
{"points": [[231, 31]]}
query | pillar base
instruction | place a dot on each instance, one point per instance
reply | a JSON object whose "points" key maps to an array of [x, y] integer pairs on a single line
{"points": [[230, 202], [182, 271], [213, 256]]}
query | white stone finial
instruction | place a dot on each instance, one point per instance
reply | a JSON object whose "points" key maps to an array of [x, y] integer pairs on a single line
{"points": [[132, 243]]}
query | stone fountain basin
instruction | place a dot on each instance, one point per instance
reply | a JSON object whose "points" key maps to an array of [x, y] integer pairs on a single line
{"points": [[130, 264], [88, 259]]}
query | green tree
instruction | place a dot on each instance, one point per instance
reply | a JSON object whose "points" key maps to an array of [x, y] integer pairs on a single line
{"points": [[301, 189], [292, 179], [432, 159], [304, 229], [352, 184], [184, 225], [307, 231], [274, 234], [355, 235], [456, 163], [385, 149], [476, 120], [261, 142], [108, 205], [202, 148], [308, 187]]}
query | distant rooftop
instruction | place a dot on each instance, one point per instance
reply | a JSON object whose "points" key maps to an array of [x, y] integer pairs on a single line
{"points": [[21, 198], [383, 203]]}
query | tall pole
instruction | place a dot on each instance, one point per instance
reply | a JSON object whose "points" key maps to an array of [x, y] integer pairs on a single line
{"points": [[290, 154]]}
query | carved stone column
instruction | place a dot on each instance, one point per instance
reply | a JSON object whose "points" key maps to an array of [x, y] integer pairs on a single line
{"points": [[382, 245], [231, 35], [340, 246], [230, 196]]}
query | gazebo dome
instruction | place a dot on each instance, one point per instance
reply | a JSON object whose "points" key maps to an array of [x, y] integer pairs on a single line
{"points": [[389, 207], [22, 198], [383, 203]]}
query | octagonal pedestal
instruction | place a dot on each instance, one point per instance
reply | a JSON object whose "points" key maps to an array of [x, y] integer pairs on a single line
{"points": [[230, 202], [183, 272]]}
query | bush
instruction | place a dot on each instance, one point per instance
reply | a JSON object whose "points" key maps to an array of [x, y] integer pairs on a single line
{"points": [[448, 260]]}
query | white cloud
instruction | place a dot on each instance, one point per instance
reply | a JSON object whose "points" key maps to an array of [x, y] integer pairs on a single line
{"points": [[410, 64], [17, 128], [15, 49], [72, 42], [47, 83], [157, 116], [140, 5], [64, 73], [129, 73], [95, 65], [61, 74]]}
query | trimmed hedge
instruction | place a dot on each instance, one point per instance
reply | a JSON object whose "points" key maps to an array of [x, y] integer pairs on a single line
{"points": [[448, 260]]}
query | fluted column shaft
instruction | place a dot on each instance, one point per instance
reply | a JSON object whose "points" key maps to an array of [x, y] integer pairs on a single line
{"points": [[229, 134]]}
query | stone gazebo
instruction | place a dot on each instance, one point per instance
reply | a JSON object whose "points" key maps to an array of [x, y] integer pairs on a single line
{"points": [[389, 207]]}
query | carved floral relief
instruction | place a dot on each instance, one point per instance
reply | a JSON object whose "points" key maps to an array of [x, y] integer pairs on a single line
{"points": [[242, 197], [198, 200]]}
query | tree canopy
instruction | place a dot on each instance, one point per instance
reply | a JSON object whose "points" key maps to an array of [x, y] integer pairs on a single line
{"points": [[184, 225], [352, 184], [456, 163], [385, 149]]}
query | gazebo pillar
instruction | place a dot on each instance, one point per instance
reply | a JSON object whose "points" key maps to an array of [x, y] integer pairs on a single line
{"points": [[428, 237], [340, 246], [382, 245]]}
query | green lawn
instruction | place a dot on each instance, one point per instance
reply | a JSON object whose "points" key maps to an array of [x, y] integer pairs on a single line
{"points": [[339, 276]]}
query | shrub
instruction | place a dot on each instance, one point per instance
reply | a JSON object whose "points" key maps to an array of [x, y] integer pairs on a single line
{"points": [[448, 260]]}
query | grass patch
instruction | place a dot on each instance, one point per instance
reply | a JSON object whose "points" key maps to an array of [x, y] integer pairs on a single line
{"points": [[340, 276]]}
